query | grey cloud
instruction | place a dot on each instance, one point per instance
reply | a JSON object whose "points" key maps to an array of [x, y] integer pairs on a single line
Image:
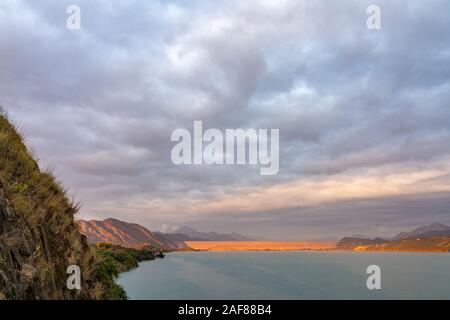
{"points": [[100, 104]]}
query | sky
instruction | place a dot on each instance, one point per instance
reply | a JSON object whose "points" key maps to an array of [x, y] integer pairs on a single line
{"points": [[363, 115]]}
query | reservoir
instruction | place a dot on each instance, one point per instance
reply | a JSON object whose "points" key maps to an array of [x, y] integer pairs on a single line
{"points": [[289, 275]]}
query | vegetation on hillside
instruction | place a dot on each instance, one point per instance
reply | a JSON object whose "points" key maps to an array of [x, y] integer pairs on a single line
{"points": [[38, 236], [113, 259], [124, 258]]}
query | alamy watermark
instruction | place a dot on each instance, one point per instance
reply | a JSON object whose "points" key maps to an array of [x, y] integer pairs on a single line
{"points": [[73, 22], [235, 146], [74, 280], [374, 280], [373, 21]]}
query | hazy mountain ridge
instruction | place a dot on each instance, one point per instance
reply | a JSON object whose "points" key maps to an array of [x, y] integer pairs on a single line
{"points": [[435, 229], [194, 235]]}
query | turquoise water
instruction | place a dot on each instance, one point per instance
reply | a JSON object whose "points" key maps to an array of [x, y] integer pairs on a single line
{"points": [[289, 275]]}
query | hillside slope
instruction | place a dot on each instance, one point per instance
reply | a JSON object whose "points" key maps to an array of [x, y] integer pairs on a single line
{"points": [[38, 236]]}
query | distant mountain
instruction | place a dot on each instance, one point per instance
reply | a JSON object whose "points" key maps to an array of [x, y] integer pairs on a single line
{"points": [[432, 234], [348, 243], [435, 229], [122, 233], [361, 236], [176, 237], [194, 235]]}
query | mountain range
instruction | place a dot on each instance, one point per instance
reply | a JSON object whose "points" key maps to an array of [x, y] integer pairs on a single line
{"points": [[433, 230], [131, 234], [194, 235]]}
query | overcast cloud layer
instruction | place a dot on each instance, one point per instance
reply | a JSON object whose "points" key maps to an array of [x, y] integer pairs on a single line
{"points": [[364, 116]]}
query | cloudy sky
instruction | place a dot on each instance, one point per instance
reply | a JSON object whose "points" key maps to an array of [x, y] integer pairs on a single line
{"points": [[364, 115]]}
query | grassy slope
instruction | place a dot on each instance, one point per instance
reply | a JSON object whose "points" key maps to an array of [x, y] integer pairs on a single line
{"points": [[38, 236]]}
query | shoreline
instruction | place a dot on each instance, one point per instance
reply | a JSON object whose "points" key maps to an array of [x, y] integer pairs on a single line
{"points": [[297, 246], [262, 245], [334, 250]]}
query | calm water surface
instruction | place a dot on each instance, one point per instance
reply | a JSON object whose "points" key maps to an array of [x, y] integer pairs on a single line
{"points": [[289, 275]]}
